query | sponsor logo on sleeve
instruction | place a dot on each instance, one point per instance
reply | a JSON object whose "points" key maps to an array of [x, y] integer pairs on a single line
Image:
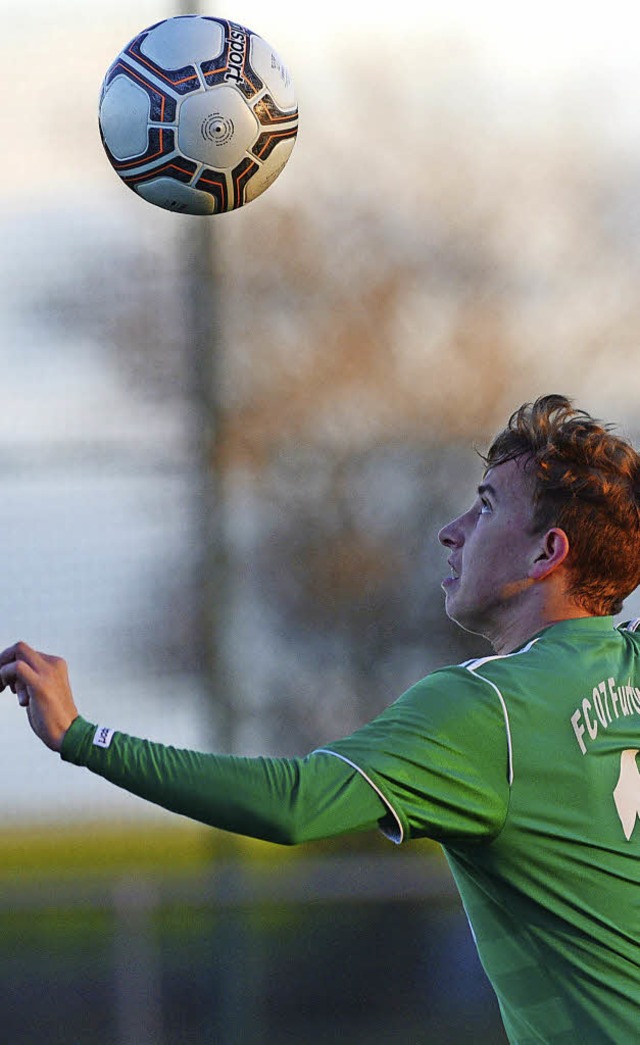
{"points": [[103, 736]]}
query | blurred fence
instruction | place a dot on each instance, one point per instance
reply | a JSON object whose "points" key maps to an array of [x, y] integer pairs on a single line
{"points": [[314, 950]]}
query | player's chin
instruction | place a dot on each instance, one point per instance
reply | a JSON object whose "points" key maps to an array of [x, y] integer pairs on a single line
{"points": [[456, 610], [451, 588]]}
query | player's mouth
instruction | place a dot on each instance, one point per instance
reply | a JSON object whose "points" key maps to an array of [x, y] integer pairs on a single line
{"points": [[453, 577]]}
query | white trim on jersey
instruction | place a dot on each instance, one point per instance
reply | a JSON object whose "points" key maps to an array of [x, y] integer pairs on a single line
{"points": [[630, 625], [473, 665], [394, 836]]}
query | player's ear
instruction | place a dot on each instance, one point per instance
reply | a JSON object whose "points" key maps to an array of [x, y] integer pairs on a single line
{"points": [[550, 553]]}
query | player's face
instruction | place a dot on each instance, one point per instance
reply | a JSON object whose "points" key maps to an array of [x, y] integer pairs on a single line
{"points": [[491, 550]]}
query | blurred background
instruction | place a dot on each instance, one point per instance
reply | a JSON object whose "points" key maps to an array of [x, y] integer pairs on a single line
{"points": [[226, 447]]}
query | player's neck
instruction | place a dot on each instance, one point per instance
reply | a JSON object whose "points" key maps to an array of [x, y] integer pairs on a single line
{"points": [[516, 632]]}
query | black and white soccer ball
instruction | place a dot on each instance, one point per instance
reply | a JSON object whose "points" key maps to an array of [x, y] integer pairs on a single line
{"points": [[198, 115]]}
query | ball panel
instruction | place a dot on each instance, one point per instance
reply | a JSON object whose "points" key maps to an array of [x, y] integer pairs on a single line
{"points": [[267, 142], [216, 127], [267, 112], [175, 166], [241, 177], [183, 41], [160, 144], [215, 183], [273, 72], [172, 195], [181, 80], [269, 170], [124, 112]]}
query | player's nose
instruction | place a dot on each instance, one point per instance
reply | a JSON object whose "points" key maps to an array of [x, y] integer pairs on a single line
{"points": [[451, 535]]}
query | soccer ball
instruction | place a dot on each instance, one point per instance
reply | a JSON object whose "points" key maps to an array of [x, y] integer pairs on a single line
{"points": [[198, 115]]}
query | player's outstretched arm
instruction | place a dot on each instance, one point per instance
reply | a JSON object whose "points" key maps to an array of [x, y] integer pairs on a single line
{"points": [[41, 683], [277, 799]]}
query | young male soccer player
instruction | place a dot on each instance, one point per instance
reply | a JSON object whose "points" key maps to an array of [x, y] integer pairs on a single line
{"points": [[523, 764]]}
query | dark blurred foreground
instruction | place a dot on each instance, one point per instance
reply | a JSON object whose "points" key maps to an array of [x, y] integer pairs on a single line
{"points": [[358, 948]]}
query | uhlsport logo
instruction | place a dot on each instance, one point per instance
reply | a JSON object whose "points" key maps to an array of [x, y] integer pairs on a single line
{"points": [[237, 53]]}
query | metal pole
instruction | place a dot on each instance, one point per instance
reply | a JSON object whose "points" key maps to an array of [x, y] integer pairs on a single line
{"points": [[239, 987], [204, 351], [238, 1019], [212, 565], [138, 989]]}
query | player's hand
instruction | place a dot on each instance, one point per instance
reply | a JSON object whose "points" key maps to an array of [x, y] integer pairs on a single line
{"points": [[41, 684]]}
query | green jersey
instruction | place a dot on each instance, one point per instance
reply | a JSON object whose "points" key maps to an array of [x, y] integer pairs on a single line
{"points": [[523, 767]]}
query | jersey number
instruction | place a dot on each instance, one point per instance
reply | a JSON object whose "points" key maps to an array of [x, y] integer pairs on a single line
{"points": [[627, 791]]}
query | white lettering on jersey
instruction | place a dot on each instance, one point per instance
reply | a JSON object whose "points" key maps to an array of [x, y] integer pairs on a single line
{"points": [[608, 702], [626, 794]]}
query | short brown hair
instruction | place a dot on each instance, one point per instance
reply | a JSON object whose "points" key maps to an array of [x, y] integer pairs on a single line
{"points": [[587, 482]]}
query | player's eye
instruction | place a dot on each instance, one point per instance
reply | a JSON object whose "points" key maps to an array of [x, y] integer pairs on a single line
{"points": [[485, 506]]}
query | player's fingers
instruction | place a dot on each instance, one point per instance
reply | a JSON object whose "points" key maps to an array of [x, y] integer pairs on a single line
{"points": [[18, 688], [9, 653], [8, 676], [19, 651], [18, 674], [23, 696], [22, 653], [6, 656]]}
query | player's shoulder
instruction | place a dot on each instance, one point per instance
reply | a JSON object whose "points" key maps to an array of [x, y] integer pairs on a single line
{"points": [[541, 653], [629, 632], [447, 700], [499, 659], [473, 681], [563, 647], [498, 668], [467, 673], [631, 627]]}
